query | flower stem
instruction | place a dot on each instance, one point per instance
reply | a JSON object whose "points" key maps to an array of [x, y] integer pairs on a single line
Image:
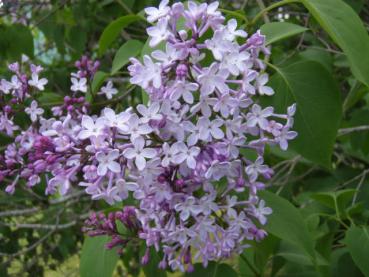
{"points": [[271, 7]]}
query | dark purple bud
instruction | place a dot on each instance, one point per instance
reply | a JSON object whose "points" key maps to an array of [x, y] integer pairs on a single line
{"points": [[181, 71], [8, 109]]}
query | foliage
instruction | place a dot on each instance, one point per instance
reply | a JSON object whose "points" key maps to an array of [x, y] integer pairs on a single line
{"points": [[320, 190]]}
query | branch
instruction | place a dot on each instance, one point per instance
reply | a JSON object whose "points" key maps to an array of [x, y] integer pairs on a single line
{"points": [[346, 131]]}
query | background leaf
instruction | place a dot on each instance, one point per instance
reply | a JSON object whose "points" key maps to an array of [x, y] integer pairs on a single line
{"points": [[112, 31], [128, 50], [276, 31], [344, 26], [318, 115], [357, 240], [287, 223], [96, 260]]}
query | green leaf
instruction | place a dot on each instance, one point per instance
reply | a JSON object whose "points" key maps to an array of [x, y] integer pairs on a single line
{"points": [[16, 40], [50, 98], [152, 268], [128, 50], [276, 31], [98, 80], [96, 260], [337, 200], [287, 223], [112, 31], [357, 240], [344, 26], [212, 270], [318, 115]]}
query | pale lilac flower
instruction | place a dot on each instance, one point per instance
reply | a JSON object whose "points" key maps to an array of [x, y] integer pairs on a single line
{"points": [[232, 31], [259, 116], [261, 211], [147, 75], [119, 121], [109, 91], [79, 84], [90, 127], [253, 170], [210, 129], [149, 113], [260, 84], [6, 86], [188, 208], [159, 32], [170, 55], [136, 128], [184, 153], [107, 162], [156, 13], [284, 136], [34, 111], [185, 90], [37, 83], [212, 78], [139, 153]]}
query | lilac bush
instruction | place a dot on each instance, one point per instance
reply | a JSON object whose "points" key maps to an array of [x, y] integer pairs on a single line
{"points": [[180, 157]]}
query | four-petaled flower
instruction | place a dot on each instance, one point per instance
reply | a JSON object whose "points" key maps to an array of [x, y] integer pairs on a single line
{"points": [[107, 162], [34, 111], [139, 153]]}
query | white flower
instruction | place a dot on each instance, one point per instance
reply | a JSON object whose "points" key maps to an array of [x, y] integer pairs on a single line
{"points": [[5, 86], [253, 170], [79, 84], [232, 32], [108, 90], [284, 136], [236, 62], [118, 121], [136, 129], [37, 83], [170, 55], [91, 128], [139, 153], [259, 116], [34, 111], [155, 14], [219, 46], [210, 129], [260, 84], [261, 211], [159, 32], [212, 78], [107, 162], [147, 74], [225, 104], [170, 153], [184, 90], [186, 154], [149, 113]]}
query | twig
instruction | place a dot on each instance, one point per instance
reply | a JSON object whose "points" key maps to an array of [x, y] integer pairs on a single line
{"points": [[346, 131], [19, 212]]}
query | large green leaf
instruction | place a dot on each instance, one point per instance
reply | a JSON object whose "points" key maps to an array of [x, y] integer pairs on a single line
{"points": [[357, 240], [96, 260], [344, 26], [16, 40], [276, 31], [112, 31], [212, 270], [130, 49], [318, 116], [287, 223]]}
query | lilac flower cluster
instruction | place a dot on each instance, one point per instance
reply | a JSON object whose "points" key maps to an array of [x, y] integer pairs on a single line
{"points": [[177, 157]]}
